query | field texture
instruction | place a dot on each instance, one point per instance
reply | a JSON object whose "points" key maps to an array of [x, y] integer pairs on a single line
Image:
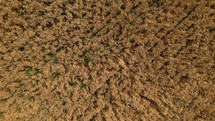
{"points": [[107, 60]]}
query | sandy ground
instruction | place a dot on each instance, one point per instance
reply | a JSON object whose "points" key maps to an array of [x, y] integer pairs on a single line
{"points": [[107, 60]]}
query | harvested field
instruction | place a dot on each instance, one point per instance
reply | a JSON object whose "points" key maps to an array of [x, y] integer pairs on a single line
{"points": [[107, 60]]}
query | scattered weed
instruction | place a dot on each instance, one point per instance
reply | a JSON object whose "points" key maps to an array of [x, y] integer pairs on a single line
{"points": [[1, 77], [104, 93], [189, 42], [166, 63], [71, 1], [21, 13], [41, 13], [38, 71], [108, 2], [54, 88], [19, 80], [156, 2], [13, 93], [21, 49], [82, 85], [19, 10], [133, 9], [43, 49], [65, 88], [4, 100], [60, 48], [93, 118], [106, 45], [56, 74], [64, 102], [54, 57], [28, 68], [90, 77], [87, 59], [133, 22], [2, 114], [83, 40], [71, 94], [71, 82]]}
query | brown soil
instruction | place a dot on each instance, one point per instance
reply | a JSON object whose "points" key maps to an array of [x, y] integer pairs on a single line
{"points": [[116, 60]]}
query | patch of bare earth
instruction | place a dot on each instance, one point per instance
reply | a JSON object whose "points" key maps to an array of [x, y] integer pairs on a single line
{"points": [[107, 60]]}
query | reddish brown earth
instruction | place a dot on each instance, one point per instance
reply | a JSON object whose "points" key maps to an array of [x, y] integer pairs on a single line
{"points": [[115, 60]]}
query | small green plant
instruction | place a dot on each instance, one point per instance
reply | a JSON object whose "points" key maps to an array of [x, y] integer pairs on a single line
{"points": [[41, 13], [108, 2], [93, 118], [60, 48], [64, 102], [1, 77], [90, 77], [87, 59], [2, 114], [105, 44], [56, 74], [82, 85], [133, 9], [18, 10], [71, 82], [156, 2], [38, 71], [54, 88], [71, 1], [13, 92], [133, 22], [28, 68], [65, 88], [84, 41], [19, 80], [53, 57]]}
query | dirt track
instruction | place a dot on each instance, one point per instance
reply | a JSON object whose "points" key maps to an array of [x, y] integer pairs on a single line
{"points": [[117, 60]]}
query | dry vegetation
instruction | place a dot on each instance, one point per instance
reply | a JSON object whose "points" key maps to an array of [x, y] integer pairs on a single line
{"points": [[107, 60]]}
